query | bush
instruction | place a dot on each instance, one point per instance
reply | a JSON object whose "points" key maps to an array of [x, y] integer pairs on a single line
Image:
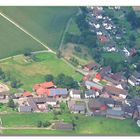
{"points": [[46, 124], [11, 103], [49, 77], [39, 124]]}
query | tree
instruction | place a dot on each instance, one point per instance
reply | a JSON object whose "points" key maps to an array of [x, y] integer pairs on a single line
{"points": [[11, 103], [39, 124], [49, 78], [50, 107], [27, 52], [15, 83], [59, 54]]}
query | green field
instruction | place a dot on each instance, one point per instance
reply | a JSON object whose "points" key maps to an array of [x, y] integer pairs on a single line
{"points": [[32, 72], [45, 23], [13, 41], [84, 125]]}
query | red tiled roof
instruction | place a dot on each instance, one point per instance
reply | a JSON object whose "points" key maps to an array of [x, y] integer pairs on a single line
{"points": [[41, 91], [98, 76], [103, 38], [27, 94], [47, 84], [43, 85], [36, 87]]}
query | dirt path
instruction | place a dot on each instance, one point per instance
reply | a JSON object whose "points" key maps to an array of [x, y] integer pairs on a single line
{"points": [[64, 33], [26, 32]]}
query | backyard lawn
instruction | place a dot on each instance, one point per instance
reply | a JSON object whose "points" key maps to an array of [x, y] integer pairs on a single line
{"points": [[32, 72]]}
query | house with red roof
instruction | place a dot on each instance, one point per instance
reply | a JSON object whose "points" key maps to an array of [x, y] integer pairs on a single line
{"points": [[103, 38], [27, 94], [98, 76], [41, 91], [45, 85]]}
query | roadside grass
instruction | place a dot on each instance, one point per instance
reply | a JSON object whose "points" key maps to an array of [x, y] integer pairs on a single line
{"points": [[45, 23], [13, 41], [30, 73]]}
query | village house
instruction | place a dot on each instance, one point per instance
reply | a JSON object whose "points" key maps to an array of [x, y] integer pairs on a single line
{"points": [[37, 104], [76, 94], [119, 77], [134, 79], [91, 66], [45, 85], [93, 86], [96, 106], [105, 71], [77, 106], [91, 94], [57, 92], [115, 93], [27, 94]]}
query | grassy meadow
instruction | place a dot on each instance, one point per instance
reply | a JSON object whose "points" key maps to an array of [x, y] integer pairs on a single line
{"points": [[32, 72], [84, 125]]}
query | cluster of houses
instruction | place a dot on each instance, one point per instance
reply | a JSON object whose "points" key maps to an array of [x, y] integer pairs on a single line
{"points": [[110, 95], [106, 30]]}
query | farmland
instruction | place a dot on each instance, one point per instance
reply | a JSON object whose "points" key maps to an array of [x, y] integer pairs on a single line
{"points": [[45, 23], [84, 125], [13, 41], [31, 72]]}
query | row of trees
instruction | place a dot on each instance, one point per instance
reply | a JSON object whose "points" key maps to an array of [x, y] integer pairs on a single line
{"points": [[62, 81]]}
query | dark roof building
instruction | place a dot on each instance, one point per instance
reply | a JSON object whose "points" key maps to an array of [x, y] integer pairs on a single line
{"points": [[62, 126], [25, 109]]}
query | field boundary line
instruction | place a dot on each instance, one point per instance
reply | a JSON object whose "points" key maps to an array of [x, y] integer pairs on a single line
{"points": [[26, 32]]}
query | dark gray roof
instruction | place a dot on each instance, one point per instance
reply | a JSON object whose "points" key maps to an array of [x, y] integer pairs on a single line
{"points": [[89, 92], [106, 101], [115, 112], [25, 109], [128, 109], [57, 92], [76, 91], [63, 126], [32, 104]]}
